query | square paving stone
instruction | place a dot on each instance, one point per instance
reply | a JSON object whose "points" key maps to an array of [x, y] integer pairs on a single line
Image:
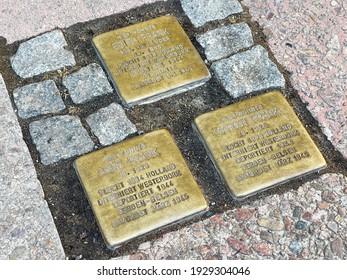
{"points": [[42, 54], [38, 99], [59, 138], [203, 11], [247, 72], [224, 41], [87, 83], [110, 124]]}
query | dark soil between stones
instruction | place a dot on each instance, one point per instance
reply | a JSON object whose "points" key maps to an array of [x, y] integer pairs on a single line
{"points": [[72, 214]]}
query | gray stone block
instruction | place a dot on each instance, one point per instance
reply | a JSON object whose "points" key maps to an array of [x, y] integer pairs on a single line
{"points": [[38, 99], [87, 83], [42, 54], [224, 41], [59, 138], [247, 72], [203, 11], [110, 124]]}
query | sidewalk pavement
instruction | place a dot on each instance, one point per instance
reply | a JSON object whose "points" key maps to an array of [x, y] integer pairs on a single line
{"points": [[308, 222]]}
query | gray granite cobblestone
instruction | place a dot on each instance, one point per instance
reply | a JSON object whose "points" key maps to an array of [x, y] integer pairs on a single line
{"points": [[248, 71], [38, 99], [226, 40], [42, 54], [87, 83], [110, 124], [59, 138], [203, 11]]}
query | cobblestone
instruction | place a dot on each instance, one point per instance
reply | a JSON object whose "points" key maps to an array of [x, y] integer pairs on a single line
{"points": [[87, 83], [42, 54], [203, 11], [59, 138], [224, 41], [247, 72], [38, 99], [110, 124]]}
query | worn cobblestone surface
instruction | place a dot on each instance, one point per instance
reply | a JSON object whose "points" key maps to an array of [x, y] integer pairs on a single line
{"points": [[222, 42], [247, 72], [42, 54], [38, 99], [203, 11], [110, 124], [87, 83], [60, 138]]}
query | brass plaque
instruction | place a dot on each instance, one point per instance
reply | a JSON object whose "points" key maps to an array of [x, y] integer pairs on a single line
{"points": [[258, 143], [139, 185], [150, 60]]}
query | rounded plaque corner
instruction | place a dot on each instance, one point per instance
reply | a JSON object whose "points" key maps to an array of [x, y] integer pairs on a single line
{"points": [[112, 245], [164, 130], [170, 16], [197, 121]]}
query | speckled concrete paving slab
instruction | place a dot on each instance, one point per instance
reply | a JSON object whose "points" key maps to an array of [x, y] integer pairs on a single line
{"points": [[307, 223], [27, 229], [309, 39], [38, 16]]}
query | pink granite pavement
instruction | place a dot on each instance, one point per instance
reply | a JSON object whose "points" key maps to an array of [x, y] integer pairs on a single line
{"points": [[20, 19], [309, 39]]}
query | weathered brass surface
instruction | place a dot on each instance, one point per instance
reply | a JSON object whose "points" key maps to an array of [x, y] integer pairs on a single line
{"points": [[150, 60], [258, 143], [139, 185]]}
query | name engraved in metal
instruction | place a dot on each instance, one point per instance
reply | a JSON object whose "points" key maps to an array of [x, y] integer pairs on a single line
{"points": [[150, 60], [258, 143], [139, 185]]}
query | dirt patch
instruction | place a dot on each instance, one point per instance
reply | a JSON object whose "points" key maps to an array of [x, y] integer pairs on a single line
{"points": [[72, 214]]}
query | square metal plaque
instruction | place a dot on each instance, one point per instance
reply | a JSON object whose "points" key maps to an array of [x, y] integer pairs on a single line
{"points": [[258, 143], [139, 185], [150, 60]]}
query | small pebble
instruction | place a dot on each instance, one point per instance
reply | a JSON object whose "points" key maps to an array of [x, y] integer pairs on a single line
{"points": [[300, 225], [295, 246], [297, 212]]}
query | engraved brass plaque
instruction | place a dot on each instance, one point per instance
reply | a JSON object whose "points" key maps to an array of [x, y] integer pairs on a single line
{"points": [[139, 185], [258, 143], [150, 60]]}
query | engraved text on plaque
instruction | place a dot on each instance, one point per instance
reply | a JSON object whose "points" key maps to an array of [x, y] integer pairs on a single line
{"points": [[139, 185], [150, 60], [258, 143]]}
